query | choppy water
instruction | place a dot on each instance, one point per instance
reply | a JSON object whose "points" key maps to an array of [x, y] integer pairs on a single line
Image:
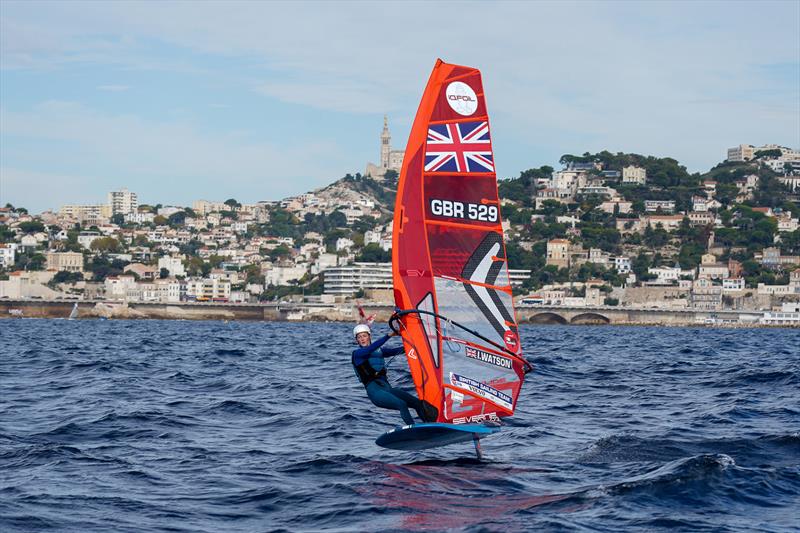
{"points": [[212, 426]]}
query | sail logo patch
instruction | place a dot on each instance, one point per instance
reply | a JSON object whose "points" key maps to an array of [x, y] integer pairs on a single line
{"points": [[510, 338], [462, 98], [486, 357], [483, 390]]}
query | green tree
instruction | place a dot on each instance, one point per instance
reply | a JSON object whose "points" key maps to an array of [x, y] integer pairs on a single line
{"points": [[338, 219], [177, 219], [774, 152], [280, 252], [101, 267], [105, 244], [30, 261], [31, 227], [6, 235], [373, 253]]}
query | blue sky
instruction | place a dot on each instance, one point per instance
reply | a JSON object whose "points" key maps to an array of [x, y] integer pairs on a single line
{"points": [[180, 101]]}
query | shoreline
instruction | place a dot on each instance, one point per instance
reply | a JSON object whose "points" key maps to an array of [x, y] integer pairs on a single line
{"points": [[293, 312]]}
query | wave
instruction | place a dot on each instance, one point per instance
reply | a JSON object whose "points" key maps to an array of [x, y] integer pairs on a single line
{"points": [[758, 377], [776, 449]]}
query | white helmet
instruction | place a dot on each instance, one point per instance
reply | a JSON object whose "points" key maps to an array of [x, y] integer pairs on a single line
{"points": [[361, 328]]}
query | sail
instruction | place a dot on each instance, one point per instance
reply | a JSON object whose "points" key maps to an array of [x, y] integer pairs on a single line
{"points": [[449, 260]]}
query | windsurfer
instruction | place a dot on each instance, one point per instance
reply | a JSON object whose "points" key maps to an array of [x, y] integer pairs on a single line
{"points": [[370, 366]]}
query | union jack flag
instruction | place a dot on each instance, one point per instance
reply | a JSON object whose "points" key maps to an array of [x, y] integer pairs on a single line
{"points": [[460, 147]]}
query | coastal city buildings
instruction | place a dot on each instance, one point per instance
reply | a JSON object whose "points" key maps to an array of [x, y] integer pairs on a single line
{"points": [[122, 202], [606, 230]]}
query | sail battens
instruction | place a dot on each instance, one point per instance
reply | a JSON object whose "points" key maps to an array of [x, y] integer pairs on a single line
{"points": [[449, 258], [504, 288], [463, 225]]}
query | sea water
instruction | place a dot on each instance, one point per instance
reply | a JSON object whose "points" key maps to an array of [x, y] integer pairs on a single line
{"points": [[213, 426]]}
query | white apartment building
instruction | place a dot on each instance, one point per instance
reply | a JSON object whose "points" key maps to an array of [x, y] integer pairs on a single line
{"points": [[634, 174], [741, 153], [174, 265], [123, 202], [732, 284], [89, 215], [205, 290], [343, 243], [239, 227], [699, 204], [599, 257], [347, 280], [666, 206], [283, 275], [787, 223], [793, 182], [117, 287], [622, 206], [568, 180], [372, 237], [86, 238], [139, 218], [622, 264], [324, 262], [7, 254], [669, 275], [518, 276], [203, 207], [352, 214]]}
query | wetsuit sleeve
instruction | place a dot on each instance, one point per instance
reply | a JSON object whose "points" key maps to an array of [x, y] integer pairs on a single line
{"points": [[389, 352], [360, 354]]}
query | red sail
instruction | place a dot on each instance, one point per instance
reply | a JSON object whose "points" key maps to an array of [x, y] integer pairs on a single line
{"points": [[448, 256]]}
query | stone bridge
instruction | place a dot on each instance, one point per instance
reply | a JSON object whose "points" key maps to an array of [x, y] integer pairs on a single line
{"points": [[623, 315], [606, 314]]}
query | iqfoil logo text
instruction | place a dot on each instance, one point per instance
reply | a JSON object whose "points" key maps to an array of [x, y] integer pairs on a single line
{"points": [[462, 98]]}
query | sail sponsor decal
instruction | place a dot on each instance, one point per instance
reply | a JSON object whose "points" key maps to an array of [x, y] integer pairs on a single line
{"points": [[511, 340], [491, 417], [481, 389], [486, 357], [462, 98], [459, 147]]}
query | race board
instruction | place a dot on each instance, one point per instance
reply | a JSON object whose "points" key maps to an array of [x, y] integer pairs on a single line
{"points": [[432, 435]]}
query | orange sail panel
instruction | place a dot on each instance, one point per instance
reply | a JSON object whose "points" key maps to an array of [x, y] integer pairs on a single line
{"points": [[448, 257]]}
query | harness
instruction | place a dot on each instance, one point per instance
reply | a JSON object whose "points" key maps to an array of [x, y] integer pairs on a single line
{"points": [[366, 374]]}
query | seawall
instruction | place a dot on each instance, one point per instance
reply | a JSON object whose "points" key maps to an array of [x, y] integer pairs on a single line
{"points": [[346, 312]]}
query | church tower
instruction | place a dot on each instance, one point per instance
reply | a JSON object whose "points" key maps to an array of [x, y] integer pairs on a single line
{"points": [[385, 147]]}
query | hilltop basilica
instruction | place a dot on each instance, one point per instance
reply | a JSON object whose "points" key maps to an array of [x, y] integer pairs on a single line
{"points": [[390, 159]]}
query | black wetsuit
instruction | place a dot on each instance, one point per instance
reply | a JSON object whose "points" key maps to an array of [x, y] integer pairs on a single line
{"points": [[369, 365]]}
